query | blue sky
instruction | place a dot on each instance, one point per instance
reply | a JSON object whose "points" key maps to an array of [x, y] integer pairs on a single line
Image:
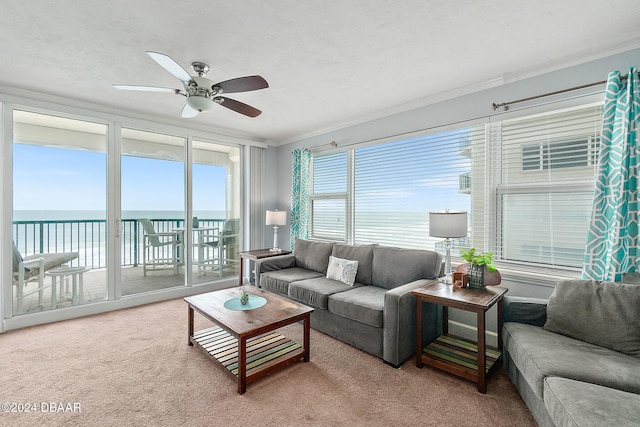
{"points": [[427, 182], [48, 178]]}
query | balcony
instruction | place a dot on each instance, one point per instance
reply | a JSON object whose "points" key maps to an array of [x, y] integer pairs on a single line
{"points": [[464, 183], [88, 239], [464, 147]]}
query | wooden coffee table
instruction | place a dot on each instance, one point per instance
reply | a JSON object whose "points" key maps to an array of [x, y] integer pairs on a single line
{"points": [[245, 342]]}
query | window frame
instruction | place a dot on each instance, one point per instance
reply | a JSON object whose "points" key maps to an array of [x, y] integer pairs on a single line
{"points": [[345, 196], [495, 242]]}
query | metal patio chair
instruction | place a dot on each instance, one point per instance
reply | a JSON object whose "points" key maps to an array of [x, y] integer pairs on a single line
{"points": [[31, 269], [225, 244], [156, 255]]}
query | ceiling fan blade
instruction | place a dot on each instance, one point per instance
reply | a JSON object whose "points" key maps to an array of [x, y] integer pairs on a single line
{"points": [[243, 84], [188, 112], [237, 106], [146, 88], [171, 66]]}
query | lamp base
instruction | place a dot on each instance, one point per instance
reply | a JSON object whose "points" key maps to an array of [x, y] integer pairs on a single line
{"points": [[275, 248], [447, 262]]}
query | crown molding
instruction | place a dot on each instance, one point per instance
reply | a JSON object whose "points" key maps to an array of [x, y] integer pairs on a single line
{"points": [[506, 78], [47, 101]]}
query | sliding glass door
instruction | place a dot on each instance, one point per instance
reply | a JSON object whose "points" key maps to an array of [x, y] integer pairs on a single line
{"points": [[99, 211], [59, 212], [152, 170], [216, 210]]}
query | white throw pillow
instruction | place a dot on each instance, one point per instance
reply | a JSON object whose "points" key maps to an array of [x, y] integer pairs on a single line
{"points": [[342, 270]]}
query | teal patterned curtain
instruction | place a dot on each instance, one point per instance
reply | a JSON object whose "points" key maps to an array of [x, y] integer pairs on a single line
{"points": [[300, 171], [612, 239]]}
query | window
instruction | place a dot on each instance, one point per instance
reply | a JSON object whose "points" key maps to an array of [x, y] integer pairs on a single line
{"points": [[556, 155], [526, 182], [383, 193], [329, 197], [545, 188]]}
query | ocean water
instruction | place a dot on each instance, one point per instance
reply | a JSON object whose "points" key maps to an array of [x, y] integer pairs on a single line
{"points": [[85, 232], [400, 229], [60, 215]]}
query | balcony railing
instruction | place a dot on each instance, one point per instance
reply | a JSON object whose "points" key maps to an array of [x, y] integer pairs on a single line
{"points": [[89, 238]]}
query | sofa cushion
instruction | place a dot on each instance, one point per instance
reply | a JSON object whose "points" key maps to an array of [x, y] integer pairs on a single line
{"points": [[342, 270], [532, 311], [361, 253], [364, 304], [279, 280], [602, 313], [315, 292], [396, 266], [312, 255], [576, 403], [539, 353]]}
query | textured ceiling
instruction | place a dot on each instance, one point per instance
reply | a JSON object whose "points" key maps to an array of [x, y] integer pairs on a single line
{"points": [[329, 63]]}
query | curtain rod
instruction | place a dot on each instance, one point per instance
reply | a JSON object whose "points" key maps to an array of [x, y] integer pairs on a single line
{"points": [[507, 104], [332, 144]]}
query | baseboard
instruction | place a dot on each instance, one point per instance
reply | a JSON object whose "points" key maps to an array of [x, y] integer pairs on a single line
{"points": [[471, 332]]}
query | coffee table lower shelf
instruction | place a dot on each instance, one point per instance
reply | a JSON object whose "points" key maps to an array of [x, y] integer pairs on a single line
{"points": [[264, 353], [458, 356]]}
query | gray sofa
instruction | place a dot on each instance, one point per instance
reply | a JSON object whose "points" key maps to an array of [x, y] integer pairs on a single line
{"points": [[377, 313], [575, 359]]}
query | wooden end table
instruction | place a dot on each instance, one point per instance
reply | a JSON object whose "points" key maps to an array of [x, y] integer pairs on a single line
{"points": [[245, 342], [455, 355], [256, 255]]}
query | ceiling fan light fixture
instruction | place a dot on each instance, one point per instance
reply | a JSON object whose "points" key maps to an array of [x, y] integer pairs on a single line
{"points": [[199, 103], [200, 92]]}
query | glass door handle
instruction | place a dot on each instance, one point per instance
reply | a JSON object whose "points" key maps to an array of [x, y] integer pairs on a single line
{"points": [[118, 227]]}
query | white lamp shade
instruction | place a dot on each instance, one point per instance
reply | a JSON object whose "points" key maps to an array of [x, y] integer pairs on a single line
{"points": [[448, 224], [276, 217]]}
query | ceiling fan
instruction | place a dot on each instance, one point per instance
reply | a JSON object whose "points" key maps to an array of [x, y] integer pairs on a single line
{"points": [[202, 93]]}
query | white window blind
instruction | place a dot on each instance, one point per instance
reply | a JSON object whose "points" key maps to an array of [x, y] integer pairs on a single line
{"points": [[398, 183], [328, 199], [390, 188], [545, 187]]}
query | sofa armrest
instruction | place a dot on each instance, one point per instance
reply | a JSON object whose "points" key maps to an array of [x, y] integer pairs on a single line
{"points": [[272, 264], [532, 311], [399, 335]]}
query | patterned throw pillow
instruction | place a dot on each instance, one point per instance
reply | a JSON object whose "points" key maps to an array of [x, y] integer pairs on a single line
{"points": [[342, 270]]}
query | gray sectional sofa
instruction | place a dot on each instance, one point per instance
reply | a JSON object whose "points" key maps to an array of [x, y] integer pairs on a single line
{"points": [[377, 312], [575, 359]]}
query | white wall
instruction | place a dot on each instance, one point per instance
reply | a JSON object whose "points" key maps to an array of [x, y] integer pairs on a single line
{"points": [[467, 107], [274, 199]]}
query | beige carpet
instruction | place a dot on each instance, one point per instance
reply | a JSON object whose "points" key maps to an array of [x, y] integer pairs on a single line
{"points": [[133, 367]]}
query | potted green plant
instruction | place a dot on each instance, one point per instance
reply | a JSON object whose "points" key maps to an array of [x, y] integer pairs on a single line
{"points": [[480, 268], [244, 295]]}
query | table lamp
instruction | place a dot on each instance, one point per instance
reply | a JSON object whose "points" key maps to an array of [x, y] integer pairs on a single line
{"points": [[276, 218], [448, 224]]}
